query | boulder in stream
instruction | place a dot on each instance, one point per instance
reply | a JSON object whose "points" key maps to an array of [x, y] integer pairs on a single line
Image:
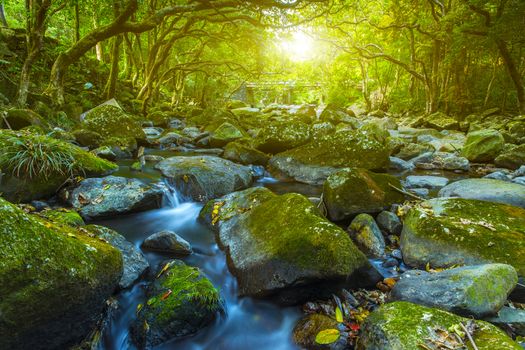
{"points": [[167, 242]]}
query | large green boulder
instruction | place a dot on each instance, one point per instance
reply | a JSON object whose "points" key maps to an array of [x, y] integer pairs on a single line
{"points": [[483, 145], [181, 301], [239, 153], [406, 326], [512, 158], [441, 121], [54, 281], [17, 119], [282, 246], [36, 166], [112, 122], [225, 133], [281, 136], [313, 162], [353, 191], [451, 231]]}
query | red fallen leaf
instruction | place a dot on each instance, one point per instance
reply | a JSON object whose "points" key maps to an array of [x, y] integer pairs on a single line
{"points": [[166, 295], [354, 327]]}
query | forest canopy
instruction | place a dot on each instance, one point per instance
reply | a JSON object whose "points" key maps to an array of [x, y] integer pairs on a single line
{"points": [[456, 56]]}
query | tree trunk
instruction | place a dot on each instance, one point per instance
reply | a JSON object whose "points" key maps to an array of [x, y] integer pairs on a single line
{"points": [[111, 85], [513, 72], [3, 21], [77, 22]]}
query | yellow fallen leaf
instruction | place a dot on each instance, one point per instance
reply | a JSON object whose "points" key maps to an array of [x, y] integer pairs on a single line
{"points": [[338, 315], [327, 336]]}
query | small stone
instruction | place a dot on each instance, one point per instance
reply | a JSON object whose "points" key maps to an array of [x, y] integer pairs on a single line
{"points": [[509, 316], [396, 253], [497, 175], [365, 232], [390, 262], [389, 222], [167, 242], [430, 182]]}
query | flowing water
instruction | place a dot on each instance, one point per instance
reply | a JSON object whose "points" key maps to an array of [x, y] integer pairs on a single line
{"points": [[248, 323]]}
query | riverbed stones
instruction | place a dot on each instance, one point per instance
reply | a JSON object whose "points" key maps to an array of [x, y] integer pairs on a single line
{"points": [[313, 162], [349, 192], [366, 234], [167, 242], [205, 177], [487, 190], [402, 325], [133, 261], [441, 160], [476, 291], [453, 231], [239, 153], [512, 158], [54, 281], [112, 195], [307, 257], [181, 301], [510, 316], [483, 145], [389, 222], [425, 181], [224, 134]]}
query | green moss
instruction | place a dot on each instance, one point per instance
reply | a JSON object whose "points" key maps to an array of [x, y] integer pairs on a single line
{"points": [[341, 149], [63, 216], [292, 229], [478, 231], [403, 326], [307, 328], [47, 270], [278, 137], [111, 121]]}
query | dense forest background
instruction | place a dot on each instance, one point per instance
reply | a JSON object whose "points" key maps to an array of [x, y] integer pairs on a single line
{"points": [[455, 56]]}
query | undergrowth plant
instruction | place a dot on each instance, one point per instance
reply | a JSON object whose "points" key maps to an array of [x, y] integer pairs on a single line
{"points": [[36, 157]]}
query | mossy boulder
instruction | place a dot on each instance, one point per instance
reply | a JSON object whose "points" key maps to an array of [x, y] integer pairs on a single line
{"points": [[224, 134], [441, 121], [483, 145], [112, 195], [313, 162], [471, 291], [278, 137], [112, 122], [487, 190], [88, 138], [53, 163], [452, 231], [512, 158], [405, 326], [181, 301], [366, 234], [63, 216], [333, 114], [54, 280], [205, 177], [20, 118], [239, 153], [353, 191], [282, 246]]}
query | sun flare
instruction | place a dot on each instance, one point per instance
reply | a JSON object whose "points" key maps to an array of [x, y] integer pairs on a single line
{"points": [[299, 47]]}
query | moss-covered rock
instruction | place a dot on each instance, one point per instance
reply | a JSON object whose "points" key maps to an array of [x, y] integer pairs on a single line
{"points": [[63, 216], [315, 161], [205, 177], [239, 153], [88, 138], [20, 118], [405, 326], [513, 158], [366, 234], [278, 137], [224, 134], [453, 231], [470, 291], [441, 121], [353, 191], [281, 245], [53, 163], [180, 302], [54, 280], [112, 122], [483, 145]]}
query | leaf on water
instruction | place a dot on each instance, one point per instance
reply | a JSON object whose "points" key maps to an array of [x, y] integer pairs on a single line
{"points": [[338, 315], [106, 187], [185, 178], [327, 336], [139, 308], [390, 282]]}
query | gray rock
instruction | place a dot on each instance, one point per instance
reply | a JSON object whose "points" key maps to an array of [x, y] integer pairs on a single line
{"points": [[425, 181], [153, 158], [205, 177], [475, 291], [193, 133], [172, 138], [520, 180], [176, 124], [421, 192], [486, 189], [105, 152], [365, 232], [112, 195], [152, 131], [389, 222], [441, 160], [134, 262], [510, 316], [497, 175], [520, 171], [400, 164], [167, 242]]}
